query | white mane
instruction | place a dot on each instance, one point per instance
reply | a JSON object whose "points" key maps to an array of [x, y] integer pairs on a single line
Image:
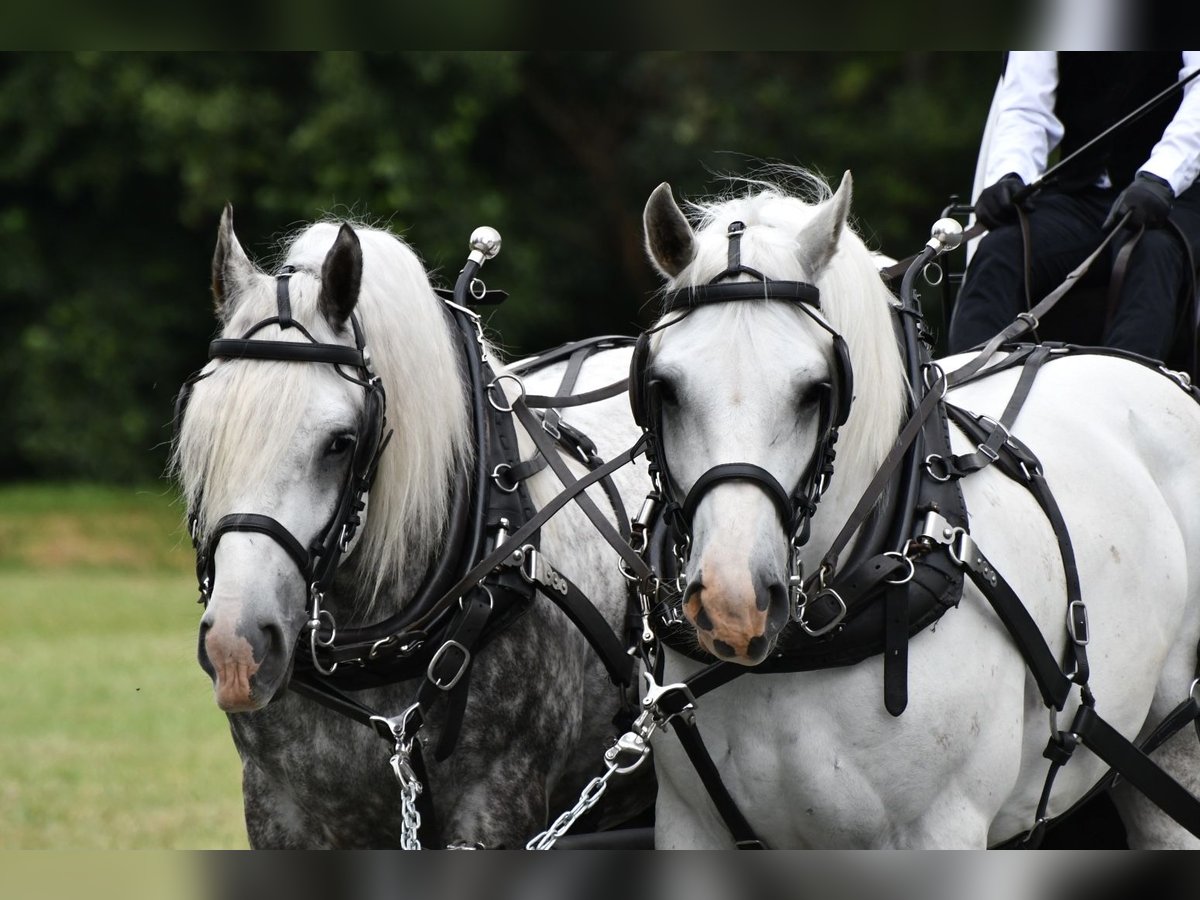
{"points": [[237, 429], [854, 299]]}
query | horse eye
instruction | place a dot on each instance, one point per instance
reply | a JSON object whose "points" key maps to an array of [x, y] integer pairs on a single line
{"points": [[666, 392], [340, 444]]}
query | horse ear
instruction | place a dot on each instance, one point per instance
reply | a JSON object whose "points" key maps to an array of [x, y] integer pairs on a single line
{"points": [[341, 277], [231, 267], [670, 240], [819, 238]]}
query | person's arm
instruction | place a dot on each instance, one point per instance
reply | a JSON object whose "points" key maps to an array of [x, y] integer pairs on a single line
{"points": [[1176, 157], [1026, 128]]}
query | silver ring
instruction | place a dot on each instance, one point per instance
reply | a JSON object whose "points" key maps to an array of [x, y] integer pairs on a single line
{"points": [[478, 288], [931, 366], [944, 476], [912, 568], [929, 279], [495, 382], [498, 472], [486, 590]]}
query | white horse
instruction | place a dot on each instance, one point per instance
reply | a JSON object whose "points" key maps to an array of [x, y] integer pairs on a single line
{"points": [[275, 438], [813, 759]]}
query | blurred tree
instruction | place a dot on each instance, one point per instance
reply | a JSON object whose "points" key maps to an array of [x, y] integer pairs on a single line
{"points": [[116, 166]]}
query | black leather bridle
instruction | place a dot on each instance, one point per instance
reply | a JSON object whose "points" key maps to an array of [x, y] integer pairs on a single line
{"points": [[318, 562], [795, 507]]}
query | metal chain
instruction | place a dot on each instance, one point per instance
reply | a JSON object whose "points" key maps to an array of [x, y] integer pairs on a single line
{"points": [[587, 799], [630, 743], [630, 751], [410, 784], [410, 789]]}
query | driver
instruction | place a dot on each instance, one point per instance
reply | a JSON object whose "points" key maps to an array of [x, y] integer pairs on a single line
{"points": [[1147, 169]]}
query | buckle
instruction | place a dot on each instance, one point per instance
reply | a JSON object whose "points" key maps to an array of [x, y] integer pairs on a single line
{"points": [[1077, 623], [437, 658], [837, 619]]}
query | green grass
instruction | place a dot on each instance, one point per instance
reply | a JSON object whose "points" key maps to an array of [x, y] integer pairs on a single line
{"points": [[109, 737]]}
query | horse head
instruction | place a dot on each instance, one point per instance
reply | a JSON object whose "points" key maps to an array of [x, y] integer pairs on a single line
{"points": [[748, 388], [266, 447]]}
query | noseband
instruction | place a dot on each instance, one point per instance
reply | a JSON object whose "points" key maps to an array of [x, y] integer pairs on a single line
{"points": [[796, 507], [318, 562]]}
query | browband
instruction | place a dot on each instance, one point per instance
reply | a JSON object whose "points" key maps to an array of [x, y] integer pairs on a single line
{"points": [[286, 351], [790, 291]]}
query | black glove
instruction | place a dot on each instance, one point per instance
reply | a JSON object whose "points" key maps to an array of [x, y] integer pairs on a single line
{"points": [[995, 205], [1149, 198]]}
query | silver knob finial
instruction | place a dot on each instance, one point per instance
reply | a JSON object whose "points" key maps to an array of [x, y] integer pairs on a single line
{"points": [[946, 234], [485, 241]]}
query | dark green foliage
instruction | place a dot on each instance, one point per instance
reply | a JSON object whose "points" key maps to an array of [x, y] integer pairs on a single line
{"points": [[115, 168]]}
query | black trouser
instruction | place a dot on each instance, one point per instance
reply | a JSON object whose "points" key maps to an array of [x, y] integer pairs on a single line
{"points": [[1064, 229]]}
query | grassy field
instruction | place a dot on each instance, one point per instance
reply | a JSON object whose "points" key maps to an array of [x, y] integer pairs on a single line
{"points": [[108, 734]]}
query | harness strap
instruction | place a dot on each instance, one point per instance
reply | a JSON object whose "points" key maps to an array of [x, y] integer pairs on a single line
{"points": [[1137, 768], [582, 613], [1120, 269], [1027, 321], [570, 376], [543, 442], [675, 705], [261, 524], [283, 302], [541, 401], [287, 351], [988, 450], [449, 671], [879, 483], [759, 476], [320, 691], [522, 534], [1052, 683]]}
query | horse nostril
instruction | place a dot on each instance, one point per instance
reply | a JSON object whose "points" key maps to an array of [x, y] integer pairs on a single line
{"points": [[202, 651], [274, 640], [757, 647], [774, 594], [723, 649]]}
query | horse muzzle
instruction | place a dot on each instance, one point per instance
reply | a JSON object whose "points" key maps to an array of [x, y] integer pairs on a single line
{"points": [[246, 658], [738, 612]]}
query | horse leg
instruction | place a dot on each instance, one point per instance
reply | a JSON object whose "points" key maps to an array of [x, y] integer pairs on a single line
{"points": [[273, 819]]}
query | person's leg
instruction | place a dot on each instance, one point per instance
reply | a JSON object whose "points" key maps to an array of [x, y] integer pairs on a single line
{"points": [[1064, 228], [1148, 308]]}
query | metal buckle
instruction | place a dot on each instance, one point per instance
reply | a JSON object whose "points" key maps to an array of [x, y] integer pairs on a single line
{"points": [[536, 571], [960, 544], [1072, 628], [837, 619], [462, 669]]}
